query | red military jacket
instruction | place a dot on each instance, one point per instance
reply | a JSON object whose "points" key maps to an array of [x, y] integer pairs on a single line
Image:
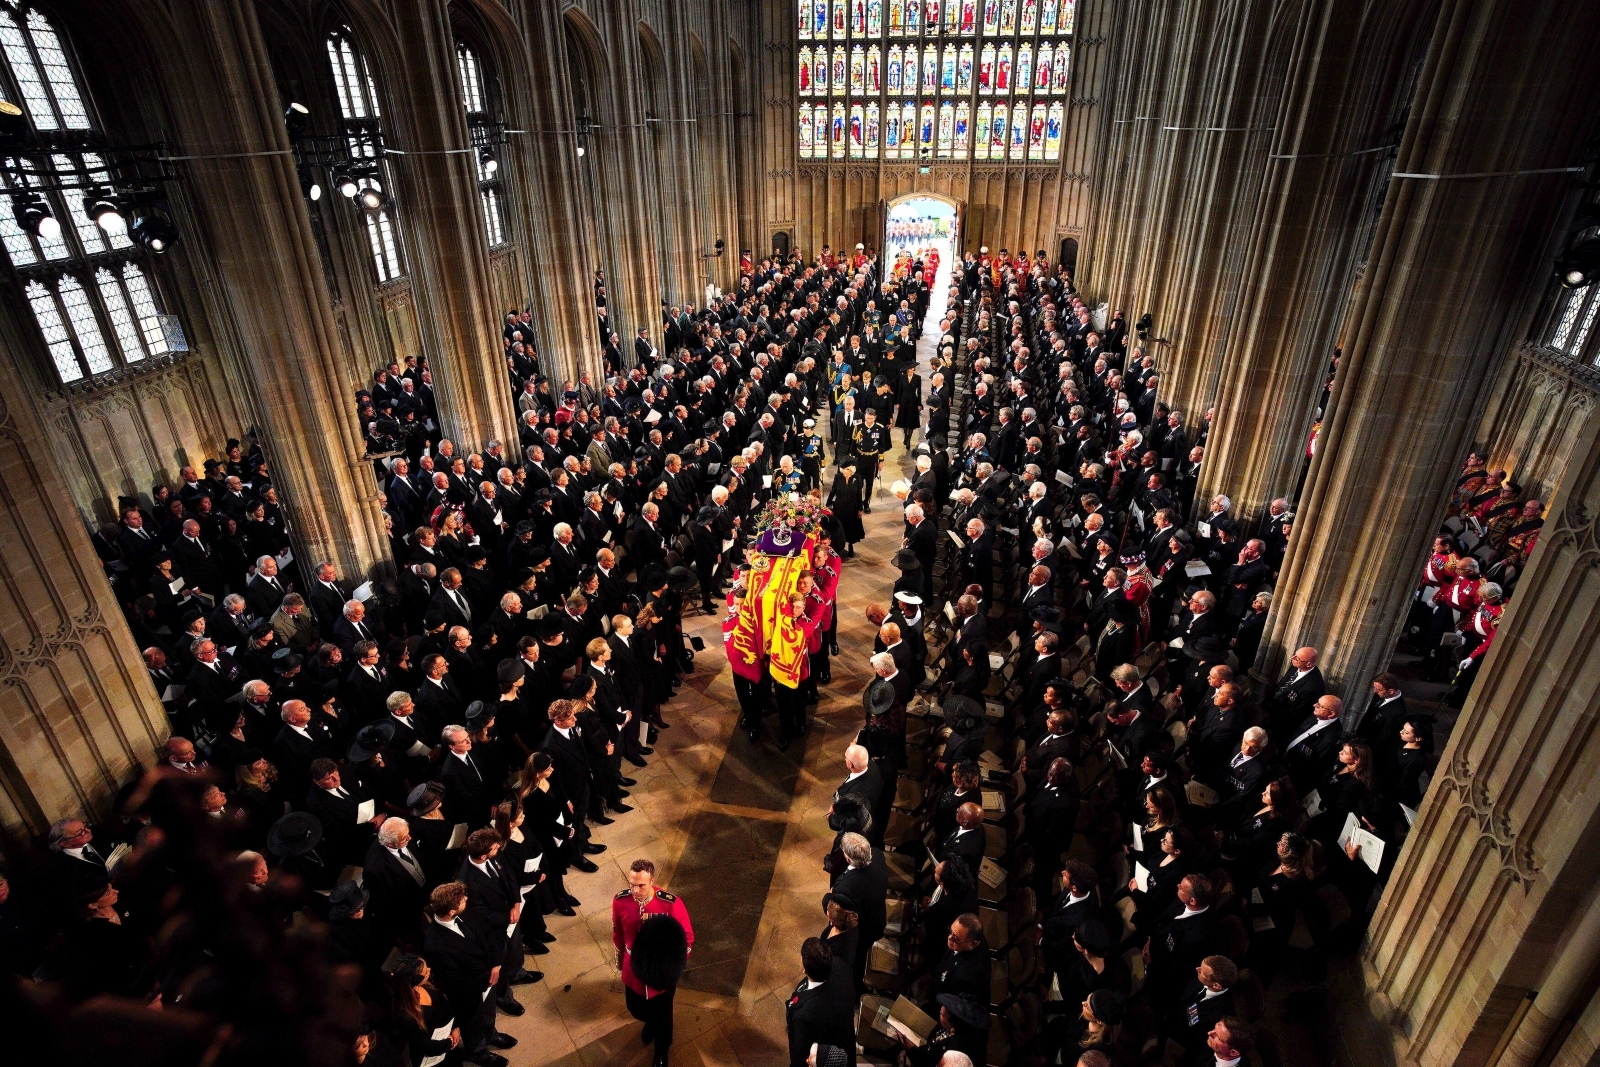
{"points": [[626, 918]]}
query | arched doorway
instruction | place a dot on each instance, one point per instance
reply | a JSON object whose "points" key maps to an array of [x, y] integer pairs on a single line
{"points": [[1069, 255], [920, 224]]}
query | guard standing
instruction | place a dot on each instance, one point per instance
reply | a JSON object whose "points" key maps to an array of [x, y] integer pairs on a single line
{"points": [[649, 994]]}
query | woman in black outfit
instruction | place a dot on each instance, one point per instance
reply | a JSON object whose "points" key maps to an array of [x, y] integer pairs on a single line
{"points": [[909, 399], [1342, 793], [1172, 859], [973, 677], [844, 499], [547, 821], [1253, 841], [419, 1010], [842, 933], [517, 850], [1404, 783]]}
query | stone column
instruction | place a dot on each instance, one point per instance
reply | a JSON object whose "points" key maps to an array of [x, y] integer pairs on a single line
{"points": [[1346, 82], [270, 292], [560, 241], [439, 211], [1493, 897], [78, 717], [1506, 86]]}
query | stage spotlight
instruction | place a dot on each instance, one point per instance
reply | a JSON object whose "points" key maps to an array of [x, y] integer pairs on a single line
{"points": [[101, 205], [372, 198], [154, 232], [1580, 264], [33, 215], [309, 186], [295, 119], [348, 187], [488, 162]]}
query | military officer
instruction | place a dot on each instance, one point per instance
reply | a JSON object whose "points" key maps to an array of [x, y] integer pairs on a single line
{"points": [[629, 909], [870, 446]]}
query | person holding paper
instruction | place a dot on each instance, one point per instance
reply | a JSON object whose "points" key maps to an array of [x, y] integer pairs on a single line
{"points": [[523, 855], [350, 820], [494, 909], [425, 1018], [1168, 855], [465, 967], [1350, 788]]}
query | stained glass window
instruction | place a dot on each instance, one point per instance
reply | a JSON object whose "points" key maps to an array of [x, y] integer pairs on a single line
{"points": [[971, 54], [91, 301]]}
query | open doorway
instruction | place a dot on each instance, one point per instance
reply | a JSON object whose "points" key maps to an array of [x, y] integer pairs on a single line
{"points": [[921, 228]]}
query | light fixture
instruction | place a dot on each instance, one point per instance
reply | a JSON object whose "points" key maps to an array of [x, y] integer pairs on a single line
{"points": [[580, 151], [1580, 264], [372, 197], [101, 205], [154, 232], [309, 186], [348, 187], [720, 246], [295, 119], [33, 215], [487, 161]]}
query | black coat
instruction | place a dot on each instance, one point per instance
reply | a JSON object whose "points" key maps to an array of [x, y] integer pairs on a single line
{"points": [[469, 792], [825, 1015], [397, 900], [845, 500]]}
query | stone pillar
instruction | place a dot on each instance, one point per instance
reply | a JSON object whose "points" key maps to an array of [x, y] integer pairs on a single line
{"points": [[78, 717], [1343, 94], [1506, 86], [1492, 898], [270, 290], [560, 241], [440, 213]]}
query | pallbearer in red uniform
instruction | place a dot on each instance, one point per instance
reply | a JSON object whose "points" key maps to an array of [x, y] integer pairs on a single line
{"points": [[660, 959]]}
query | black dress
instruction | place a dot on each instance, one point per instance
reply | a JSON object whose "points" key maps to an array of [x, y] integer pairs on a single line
{"points": [[420, 1039], [845, 500]]}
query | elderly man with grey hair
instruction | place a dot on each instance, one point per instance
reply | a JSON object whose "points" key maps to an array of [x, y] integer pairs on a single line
{"points": [[865, 881]]}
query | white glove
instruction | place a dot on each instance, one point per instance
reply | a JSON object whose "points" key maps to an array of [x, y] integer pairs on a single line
{"points": [[1464, 664]]}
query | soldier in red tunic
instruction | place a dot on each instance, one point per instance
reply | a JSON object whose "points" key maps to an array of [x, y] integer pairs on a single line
{"points": [[629, 910]]}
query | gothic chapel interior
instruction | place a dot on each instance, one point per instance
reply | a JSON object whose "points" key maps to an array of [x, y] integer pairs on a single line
{"points": [[1360, 240]]}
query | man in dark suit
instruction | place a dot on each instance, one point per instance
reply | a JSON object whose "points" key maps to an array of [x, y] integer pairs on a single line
{"points": [[75, 865], [1197, 641], [213, 679], [1052, 818], [1214, 733], [922, 539], [822, 1009], [964, 968], [564, 743], [1310, 752], [649, 543], [327, 597], [966, 842], [866, 882], [1206, 999], [346, 838], [1056, 743], [265, 591], [300, 743], [450, 600], [864, 779], [195, 561], [976, 565], [469, 794], [1380, 723], [494, 909], [366, 686], [1240, 782], [464, 967], [392, 873], [350, 626], [1185, 934], [1077, 903], [1291, 700], [439, 702]]}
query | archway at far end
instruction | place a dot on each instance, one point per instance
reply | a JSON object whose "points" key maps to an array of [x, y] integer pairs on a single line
{"points": [[919, 223]]}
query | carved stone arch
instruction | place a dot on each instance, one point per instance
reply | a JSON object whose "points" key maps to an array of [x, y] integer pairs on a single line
{"points": [[487, 27], [655, 69], [586, 60]]}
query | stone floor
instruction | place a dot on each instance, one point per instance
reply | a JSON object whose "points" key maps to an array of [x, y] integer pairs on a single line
{"points": [[738, 830]]}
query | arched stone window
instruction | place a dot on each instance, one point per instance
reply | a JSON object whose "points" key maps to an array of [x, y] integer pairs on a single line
{"points": [[96, 307], [362, 118]]}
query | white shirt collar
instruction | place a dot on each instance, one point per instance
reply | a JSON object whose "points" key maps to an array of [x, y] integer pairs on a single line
{"points": [[1188, 913], [854, 775]]}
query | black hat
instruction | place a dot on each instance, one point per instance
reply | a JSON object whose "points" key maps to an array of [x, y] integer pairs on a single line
{"points": [[295, 834], [541, 496], [475, 553], [1124, 611], [525, 528], [708, 513], [425, 797], [1043, 613], [654, 577], [879, 697], [1107, 1005], [286, 664], [907, 560], [248, 756], [844, 901], [478, 712], [330, 689], [956, 708], [965, 1008], [520, 576], [346, 899], [370, 740], [548, 627], [432, 619], [681, 579], [539, 555]]}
